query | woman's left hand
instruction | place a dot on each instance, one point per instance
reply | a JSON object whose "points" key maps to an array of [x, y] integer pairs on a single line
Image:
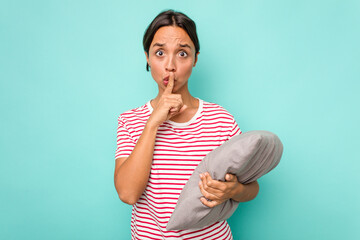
{"points": [[218, 191]]}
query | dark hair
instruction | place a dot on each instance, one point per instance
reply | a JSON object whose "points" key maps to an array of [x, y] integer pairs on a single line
{"points": [[170, 18]]}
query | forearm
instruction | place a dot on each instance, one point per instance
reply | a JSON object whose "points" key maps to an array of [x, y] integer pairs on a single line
{"points": [[246, 192], [132, 176]]}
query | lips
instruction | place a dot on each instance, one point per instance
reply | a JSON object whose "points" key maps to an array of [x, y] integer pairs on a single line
{"points": [[166, 80]]}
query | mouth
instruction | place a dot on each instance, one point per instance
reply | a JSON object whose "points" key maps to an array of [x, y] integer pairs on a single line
{"points": [[166, 80]]}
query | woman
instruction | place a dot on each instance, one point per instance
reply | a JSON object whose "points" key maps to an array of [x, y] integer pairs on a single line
{"points": [[161, 143]]}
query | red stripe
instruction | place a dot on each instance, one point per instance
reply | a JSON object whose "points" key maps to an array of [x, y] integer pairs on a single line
{"points": [[198, 127], [162, 198], [164, 193], [170, 169], [163, 188], [178, 155], [178, 179], [189, 138], [167, 183], [174, 164], [156, 220], [177, 160], [155, 207], [153, 202], [157, 213], [189, 143], [179, 174], [184, 151], [222, 228], [192, 145]]}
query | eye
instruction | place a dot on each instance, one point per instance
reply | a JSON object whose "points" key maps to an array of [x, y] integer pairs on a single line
{"points": [[183, 54], [159, 53]]}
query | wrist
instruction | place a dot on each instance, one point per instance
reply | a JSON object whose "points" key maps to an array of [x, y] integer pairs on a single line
{"points": [[151, 126], [238, 192], [247, 192]]}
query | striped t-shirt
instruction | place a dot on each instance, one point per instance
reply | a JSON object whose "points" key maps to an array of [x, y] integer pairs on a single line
{"points": [[179, 148]]}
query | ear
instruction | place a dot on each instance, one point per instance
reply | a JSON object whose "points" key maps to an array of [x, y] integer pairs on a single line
{"points": [[147, 57], [196, 58]]}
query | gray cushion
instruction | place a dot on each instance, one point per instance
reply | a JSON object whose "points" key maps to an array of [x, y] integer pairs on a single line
{"points": [[249, 156]]}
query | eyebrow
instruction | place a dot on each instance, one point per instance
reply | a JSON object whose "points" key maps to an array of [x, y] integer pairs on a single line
{"points": [[181, 45]]}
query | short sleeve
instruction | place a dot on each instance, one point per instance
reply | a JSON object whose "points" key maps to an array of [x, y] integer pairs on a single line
{"points": [[235, 130], [125, 143]]}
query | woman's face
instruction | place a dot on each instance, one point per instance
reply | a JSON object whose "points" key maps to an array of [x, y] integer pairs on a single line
{"points": [[171, 50]]}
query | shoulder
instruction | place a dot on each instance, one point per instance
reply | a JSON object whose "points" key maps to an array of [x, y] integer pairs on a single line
{"points": [[135, 114], [218, 115], [215, 110]]}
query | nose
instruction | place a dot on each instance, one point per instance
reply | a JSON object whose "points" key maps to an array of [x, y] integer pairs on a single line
{"points": [[170, 65]]}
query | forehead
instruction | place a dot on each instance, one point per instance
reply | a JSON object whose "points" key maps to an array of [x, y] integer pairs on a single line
{"points": [[172, 35]]}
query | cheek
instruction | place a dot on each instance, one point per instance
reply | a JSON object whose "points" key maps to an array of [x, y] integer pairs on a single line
{"points": [[186, 69], [156, 70]]}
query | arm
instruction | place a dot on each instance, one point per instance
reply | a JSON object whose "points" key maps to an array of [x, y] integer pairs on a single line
{"points": [[132, 173], [245, 192], [218, 191]]}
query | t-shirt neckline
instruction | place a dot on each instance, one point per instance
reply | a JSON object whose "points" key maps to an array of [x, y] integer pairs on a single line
{"points": [[184, 124]]}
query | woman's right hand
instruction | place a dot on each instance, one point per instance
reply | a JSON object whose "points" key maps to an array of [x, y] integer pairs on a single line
{"points": [[168, 105]]}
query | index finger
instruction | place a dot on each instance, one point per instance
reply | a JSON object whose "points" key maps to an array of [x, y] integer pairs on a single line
{"points": [[170, 85]]}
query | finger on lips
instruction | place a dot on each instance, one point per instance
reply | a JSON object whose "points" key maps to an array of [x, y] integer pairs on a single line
{"points": [[170, 85], [174, 101]]}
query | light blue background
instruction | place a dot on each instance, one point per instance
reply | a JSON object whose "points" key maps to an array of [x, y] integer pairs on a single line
{"points": [[69, 68]]}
